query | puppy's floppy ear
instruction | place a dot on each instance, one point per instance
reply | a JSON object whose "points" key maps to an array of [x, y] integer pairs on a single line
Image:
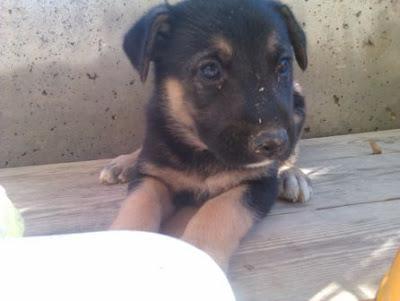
{"points": [[297, 37], [142, 39]]}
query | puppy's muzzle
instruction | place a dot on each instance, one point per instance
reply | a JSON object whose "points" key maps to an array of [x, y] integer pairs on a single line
{"points": [[270, 143]]}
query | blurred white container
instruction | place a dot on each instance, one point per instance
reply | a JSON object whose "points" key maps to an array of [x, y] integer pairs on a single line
{"points": [[115, 266]]}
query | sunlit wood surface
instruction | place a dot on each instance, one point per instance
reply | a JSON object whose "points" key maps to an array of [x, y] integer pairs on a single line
{"points": [[337, 247]]}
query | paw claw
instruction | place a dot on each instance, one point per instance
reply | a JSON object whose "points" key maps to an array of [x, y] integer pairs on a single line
{"points": [[118, 170], [305, 190], [109, 174], [295, 186]]}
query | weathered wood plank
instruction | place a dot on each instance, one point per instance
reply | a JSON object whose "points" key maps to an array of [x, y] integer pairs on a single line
{"points": [[348, 146], [296, 256], [350, 181], [62, 198], [342, 241], [66, 198]]}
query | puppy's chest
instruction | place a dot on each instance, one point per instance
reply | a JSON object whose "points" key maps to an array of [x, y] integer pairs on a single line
{"points": [[190, 187]]}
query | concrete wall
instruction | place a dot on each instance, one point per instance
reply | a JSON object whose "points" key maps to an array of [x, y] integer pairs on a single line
{"points": [[68, 93]]}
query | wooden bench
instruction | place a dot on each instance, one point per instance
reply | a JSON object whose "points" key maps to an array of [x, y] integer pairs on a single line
{"points": [[337, 247]]}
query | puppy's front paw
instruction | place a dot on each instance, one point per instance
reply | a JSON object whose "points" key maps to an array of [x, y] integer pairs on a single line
{"points": [[294, 185], [119, 169]]}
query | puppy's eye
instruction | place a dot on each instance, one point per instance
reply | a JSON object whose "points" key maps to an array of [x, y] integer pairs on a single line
{"points": [[211, 71], [283, 66]]}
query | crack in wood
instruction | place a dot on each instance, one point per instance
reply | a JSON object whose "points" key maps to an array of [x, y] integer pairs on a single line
{"points": [[359, 204]]}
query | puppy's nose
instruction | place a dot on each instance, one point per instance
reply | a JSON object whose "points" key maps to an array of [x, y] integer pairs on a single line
{"points": [[271, 143]]}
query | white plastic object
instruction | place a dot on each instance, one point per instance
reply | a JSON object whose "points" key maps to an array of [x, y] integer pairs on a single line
{"points": [[113, 266]]}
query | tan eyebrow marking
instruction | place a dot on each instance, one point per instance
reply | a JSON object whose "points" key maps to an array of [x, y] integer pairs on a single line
{"points": [[223, 45], [272, 42]]}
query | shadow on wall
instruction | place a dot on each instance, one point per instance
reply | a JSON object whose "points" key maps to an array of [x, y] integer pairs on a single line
{"points": [[68, 93], [57, 113]]}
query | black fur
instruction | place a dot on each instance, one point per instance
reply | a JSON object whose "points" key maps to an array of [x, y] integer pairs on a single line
{"points": [[141, 40], [261, 195], [252, 94], [136, 178], [297, 37], [300, 112]]}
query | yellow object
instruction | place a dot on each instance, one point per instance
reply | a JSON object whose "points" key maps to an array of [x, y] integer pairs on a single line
{"points": [[390, 286]]}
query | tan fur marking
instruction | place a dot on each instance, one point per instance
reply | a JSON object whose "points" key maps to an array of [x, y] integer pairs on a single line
{"points": [[223, 46], [291, 161], [145, 208], [176, 103], [176, 225], [216, 184], [272, 42], [180, 114], [220, 225], [297, 119]]}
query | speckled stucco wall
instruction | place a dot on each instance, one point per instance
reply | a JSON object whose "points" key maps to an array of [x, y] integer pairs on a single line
{"points": [[67, 92]]}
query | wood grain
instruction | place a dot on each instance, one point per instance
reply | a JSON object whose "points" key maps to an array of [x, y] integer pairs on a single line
{"points": [[338, 245], [296, 256]]}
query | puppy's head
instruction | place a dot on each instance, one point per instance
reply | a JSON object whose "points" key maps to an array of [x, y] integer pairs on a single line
{"points": [[224, 73]]}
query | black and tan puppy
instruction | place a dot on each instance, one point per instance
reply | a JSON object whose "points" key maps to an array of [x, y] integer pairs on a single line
{"points": [[223, 121]]}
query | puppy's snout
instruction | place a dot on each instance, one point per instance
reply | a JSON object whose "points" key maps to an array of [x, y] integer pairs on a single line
{"points": [[271, 143]]}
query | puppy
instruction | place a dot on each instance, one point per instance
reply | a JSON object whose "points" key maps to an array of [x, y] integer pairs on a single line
{"points": [[222, 124]]}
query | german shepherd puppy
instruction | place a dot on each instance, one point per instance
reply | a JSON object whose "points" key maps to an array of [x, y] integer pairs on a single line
{"points": [[222, 124]]}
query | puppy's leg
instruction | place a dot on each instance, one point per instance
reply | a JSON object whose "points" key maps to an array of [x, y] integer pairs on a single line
{"points": [[222, 222], [294, 185], [145, 208], [118, 170], [176, 225]]}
